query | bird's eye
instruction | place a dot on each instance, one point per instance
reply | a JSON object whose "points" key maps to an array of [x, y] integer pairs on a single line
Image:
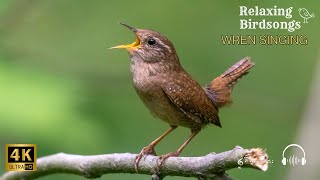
{"points": [[151, 41]]}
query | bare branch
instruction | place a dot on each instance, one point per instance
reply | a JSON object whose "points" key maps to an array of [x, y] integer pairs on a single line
{"points": [[211, 166]]}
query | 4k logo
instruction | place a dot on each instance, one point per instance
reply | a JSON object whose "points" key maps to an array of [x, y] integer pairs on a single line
{"points": [[21, 157]]}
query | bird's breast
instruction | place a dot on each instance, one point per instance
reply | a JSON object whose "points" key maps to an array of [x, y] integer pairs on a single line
{"points": [[143, 75], [147, 83]]}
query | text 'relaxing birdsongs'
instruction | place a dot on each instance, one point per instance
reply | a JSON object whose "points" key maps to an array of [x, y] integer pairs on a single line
{"points": [[253, 22]]}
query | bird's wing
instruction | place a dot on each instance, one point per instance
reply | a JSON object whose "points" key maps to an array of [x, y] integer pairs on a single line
{"points": [[191, 99], [306, 13]]}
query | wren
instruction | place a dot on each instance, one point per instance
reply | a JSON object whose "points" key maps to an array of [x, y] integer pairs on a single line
{"points": [[170, 93]]}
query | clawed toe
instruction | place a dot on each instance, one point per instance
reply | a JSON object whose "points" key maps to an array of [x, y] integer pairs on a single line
{"points": [[144, 152], [162, 158]]}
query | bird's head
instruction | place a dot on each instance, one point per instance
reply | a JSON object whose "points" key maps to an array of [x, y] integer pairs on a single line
{"points": [[150, 46]]}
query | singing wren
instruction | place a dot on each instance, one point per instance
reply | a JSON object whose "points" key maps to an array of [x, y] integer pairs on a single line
{"points": [[170, 93]]}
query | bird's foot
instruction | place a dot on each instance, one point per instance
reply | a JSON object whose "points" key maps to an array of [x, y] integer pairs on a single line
{"points": [[166, 156], [148, 150]]}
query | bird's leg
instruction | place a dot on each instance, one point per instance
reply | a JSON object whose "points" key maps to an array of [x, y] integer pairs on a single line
{"points": [[150, 148], [177, 153]]}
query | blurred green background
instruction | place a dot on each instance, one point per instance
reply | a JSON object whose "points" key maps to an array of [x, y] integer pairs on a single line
{"points": [[62, 89]]}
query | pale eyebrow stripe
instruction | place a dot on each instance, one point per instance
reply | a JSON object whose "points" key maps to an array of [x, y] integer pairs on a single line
{"points": [[160, 42]]}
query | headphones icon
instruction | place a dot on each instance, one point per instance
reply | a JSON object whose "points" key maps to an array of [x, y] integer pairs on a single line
{"points": [[293, 160]]}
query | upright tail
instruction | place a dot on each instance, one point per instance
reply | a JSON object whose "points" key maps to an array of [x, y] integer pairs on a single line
{"points": [[219, 90]]}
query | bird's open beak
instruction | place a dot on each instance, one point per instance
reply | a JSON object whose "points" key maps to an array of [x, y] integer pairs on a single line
{"points": [[135, 44]]}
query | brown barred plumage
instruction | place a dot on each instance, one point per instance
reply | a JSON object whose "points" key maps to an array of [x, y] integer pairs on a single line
{"points": [[219, 90]]}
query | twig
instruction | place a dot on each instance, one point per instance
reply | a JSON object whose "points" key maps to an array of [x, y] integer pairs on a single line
{"points": [[211, 166]]}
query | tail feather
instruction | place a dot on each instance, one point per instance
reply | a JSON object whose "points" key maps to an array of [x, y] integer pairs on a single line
{"points": [[219, 90]]}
